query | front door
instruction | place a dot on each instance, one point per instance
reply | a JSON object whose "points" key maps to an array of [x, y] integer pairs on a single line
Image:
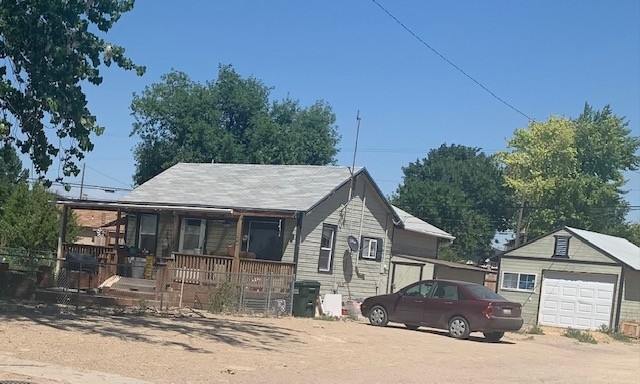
{"points": [[265, 239], [410, 307]]}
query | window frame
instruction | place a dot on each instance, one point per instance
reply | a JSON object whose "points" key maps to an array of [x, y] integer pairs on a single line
{"points": [[139, 232], [332, 249], [203, 234], [517, 289], [378, 250], [555, 246]]}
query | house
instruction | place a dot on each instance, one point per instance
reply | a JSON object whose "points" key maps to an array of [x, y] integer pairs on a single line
{"points": [[264, 219], [573, 278], [414, 255], [96, 227]]}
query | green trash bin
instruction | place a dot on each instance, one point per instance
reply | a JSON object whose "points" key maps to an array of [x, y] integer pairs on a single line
{"points": [[305, 294]]}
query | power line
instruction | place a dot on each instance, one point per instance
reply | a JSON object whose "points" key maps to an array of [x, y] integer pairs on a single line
{"points": [[451, 63], [107, 176], [86, 186]]}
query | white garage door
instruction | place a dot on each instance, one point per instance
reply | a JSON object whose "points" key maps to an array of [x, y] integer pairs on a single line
{"points": [[576, 300]]}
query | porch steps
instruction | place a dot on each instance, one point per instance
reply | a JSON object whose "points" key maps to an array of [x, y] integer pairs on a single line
{"points": [[129, 284]]}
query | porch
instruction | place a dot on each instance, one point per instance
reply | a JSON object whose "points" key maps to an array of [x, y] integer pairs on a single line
{"points": [[180, 280]]}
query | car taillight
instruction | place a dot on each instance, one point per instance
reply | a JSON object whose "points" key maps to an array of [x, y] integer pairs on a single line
{"points": [[488, 312]]}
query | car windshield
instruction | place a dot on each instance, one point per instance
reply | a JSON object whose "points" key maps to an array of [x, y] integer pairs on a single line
{"points": [[484, 293]]}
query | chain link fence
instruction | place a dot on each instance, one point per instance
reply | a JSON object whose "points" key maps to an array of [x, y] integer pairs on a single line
{"points": [[90, 281]]}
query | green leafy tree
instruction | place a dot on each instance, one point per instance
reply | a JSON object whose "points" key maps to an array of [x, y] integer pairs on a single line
{"points": [[48, 50], [229, 120], [461, 190], [11, 172], [570, 172], [31, 221], [633, 233]]}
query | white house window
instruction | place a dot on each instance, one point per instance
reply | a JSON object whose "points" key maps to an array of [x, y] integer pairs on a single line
{"points": [[147, 233], [192, 233], [561, 246], [327, 247], [371, 248], [518, 281]]}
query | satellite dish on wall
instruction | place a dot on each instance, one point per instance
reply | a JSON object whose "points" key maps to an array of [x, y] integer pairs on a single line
{"points": [[353, 243]]}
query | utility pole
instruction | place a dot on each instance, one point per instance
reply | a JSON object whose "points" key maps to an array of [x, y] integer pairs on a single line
{"points": [[82, 181], [519, 223], [355, 152]]}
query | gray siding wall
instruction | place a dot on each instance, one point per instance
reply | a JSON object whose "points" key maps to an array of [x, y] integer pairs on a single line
{"points": [[164, 235], [544, 247], [370, 277], [220, 236], [414, 244], [531, 300], [630, 306], [444, 272], [289, 240]]}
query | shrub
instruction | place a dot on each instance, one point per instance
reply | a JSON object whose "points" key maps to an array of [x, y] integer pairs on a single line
{"points": [[614, 335], [224, 297], [581, 336], [535, 330]]}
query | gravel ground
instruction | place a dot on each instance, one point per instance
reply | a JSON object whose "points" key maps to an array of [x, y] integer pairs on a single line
{"points": [[227, 349]]}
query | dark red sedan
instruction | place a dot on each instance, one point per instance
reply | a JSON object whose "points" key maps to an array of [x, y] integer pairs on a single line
{"points": [[457, 306]]}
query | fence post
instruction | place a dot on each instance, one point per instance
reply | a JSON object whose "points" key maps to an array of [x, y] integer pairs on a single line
{"points": [[293, 285], [78, 287], [242, 285], [162, 285], [270, 288]]}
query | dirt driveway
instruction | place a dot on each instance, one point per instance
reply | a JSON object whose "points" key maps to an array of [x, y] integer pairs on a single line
{"points": [[225, 349]]}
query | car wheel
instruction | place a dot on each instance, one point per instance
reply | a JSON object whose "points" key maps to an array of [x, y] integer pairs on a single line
{"points": [[459, 327], [378, 316], [411, 327], [493, 337]]}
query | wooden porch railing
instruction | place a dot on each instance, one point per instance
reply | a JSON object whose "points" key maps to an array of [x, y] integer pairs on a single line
{"points": [[209, 269], [265, 267], [95, 250]]}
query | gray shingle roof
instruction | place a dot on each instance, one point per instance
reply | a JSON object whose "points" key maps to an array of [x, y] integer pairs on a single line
{"points": [[413, 224], [246, 186], [617, 247]]}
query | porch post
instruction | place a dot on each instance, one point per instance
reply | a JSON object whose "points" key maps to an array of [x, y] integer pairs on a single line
{"points": [[236, 251], [61, 240], [117, 245], [176, 232]]}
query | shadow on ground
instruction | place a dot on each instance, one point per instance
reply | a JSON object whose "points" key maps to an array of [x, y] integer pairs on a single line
{"points": [[473, 338], [146, 327]]}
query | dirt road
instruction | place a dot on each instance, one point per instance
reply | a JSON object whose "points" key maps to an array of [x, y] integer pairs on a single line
{"points": [[226, 349]]}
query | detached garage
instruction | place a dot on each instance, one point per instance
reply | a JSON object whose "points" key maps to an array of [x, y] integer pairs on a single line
{"points": [[574, 278]]}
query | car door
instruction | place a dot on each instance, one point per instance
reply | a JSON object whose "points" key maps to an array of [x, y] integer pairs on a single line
{"points": [[441, 305], [410, 305]]}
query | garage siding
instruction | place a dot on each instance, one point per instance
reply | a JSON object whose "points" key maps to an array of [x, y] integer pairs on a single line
{"points": [[630, 306], [414, 244], [543, 248], [443, 272], [377, 222], [531, 300]]}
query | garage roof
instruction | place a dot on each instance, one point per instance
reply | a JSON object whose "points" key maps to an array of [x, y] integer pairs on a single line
{"points": [[620, 249], [450, 264], [413, 224]]}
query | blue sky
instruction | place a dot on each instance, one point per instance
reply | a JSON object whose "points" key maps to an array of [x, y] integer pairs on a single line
{"points": [[544, 57]]}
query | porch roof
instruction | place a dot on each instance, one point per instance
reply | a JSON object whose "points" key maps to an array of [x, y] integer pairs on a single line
{"points": [[243, 186]]}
